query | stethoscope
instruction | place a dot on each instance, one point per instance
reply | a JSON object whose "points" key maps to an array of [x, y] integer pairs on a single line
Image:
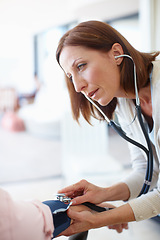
{"points": [[118, 129]]}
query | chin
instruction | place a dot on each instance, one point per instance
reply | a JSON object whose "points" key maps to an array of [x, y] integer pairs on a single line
{"points": [[102, 102]]}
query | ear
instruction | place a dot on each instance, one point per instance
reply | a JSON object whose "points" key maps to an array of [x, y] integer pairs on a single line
{"points": [[117, 50]]}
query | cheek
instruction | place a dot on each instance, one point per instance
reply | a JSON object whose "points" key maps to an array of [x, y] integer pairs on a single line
{"points": [[114, 77], [94, 76]]}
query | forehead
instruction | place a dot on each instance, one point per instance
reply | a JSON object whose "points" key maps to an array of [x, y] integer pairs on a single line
{"points": [[71, 52]]}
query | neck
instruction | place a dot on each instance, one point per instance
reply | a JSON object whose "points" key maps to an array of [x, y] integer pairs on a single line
{"points": [[145, 100], [146, 105]]}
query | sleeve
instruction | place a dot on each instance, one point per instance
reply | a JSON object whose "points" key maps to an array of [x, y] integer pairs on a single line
{"points": [[147, 205], [135, 179], [126, 113], [24, 220]]}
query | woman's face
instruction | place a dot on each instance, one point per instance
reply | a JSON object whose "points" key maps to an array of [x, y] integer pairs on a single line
{"points": [[92, 72]]}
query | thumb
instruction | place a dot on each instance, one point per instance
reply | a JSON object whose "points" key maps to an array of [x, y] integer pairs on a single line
{"points": [[73, 214], [79, 200]]}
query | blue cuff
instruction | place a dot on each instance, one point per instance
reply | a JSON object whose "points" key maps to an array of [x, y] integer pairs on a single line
{"points": [[60, 219]]}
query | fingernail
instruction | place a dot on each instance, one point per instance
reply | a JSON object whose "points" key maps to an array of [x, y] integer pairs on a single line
{"points": [[73, 202]]}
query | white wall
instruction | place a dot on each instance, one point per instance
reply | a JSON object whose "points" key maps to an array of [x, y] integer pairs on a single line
{"points": [[106, 9], [157, 25], [16, 57], [150, 24], [21, 19]]}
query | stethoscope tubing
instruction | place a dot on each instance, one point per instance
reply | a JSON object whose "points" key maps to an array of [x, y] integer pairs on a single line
{"points": [[149, 171], [149, 153]]}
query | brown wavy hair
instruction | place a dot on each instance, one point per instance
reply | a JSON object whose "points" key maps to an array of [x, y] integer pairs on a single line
{"points": [[100, 36]]}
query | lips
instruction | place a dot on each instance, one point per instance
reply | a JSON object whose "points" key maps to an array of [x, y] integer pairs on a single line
{"points": [[91, 94]]}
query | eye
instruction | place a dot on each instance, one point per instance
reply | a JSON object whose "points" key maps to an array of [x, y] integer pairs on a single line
{"points": [[80, 66], [69, 76], [71, 79]]}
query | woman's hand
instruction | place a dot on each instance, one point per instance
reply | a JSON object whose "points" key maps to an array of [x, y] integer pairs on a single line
{"points": [[119, 227], [84, 219], [81, 221], [84, 191]]}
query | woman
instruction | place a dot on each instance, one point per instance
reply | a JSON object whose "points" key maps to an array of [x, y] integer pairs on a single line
{"points": [[88, 54]]}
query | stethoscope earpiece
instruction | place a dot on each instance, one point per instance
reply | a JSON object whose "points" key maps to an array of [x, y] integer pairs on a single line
{"points": [[123, 55], [117, 56]]}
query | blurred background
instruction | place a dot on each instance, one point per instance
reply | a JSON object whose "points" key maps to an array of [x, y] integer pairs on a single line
{"points": [[41, 148]]}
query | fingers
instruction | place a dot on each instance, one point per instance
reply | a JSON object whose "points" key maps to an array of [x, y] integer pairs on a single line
{"points": [[75, 191], [72, 228], [76, 225], [79, 200], [80, 186], [119, 227], [68, 232], [125, 225], [73, 214]]}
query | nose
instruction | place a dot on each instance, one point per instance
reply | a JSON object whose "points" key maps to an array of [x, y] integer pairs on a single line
{"points": [[79, 84]]}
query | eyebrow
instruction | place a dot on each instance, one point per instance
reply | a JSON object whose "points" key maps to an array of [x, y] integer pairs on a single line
{"points": [[75, 61]]}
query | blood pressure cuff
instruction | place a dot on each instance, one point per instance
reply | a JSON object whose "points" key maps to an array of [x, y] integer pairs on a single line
{"points": [[59, 212]]}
